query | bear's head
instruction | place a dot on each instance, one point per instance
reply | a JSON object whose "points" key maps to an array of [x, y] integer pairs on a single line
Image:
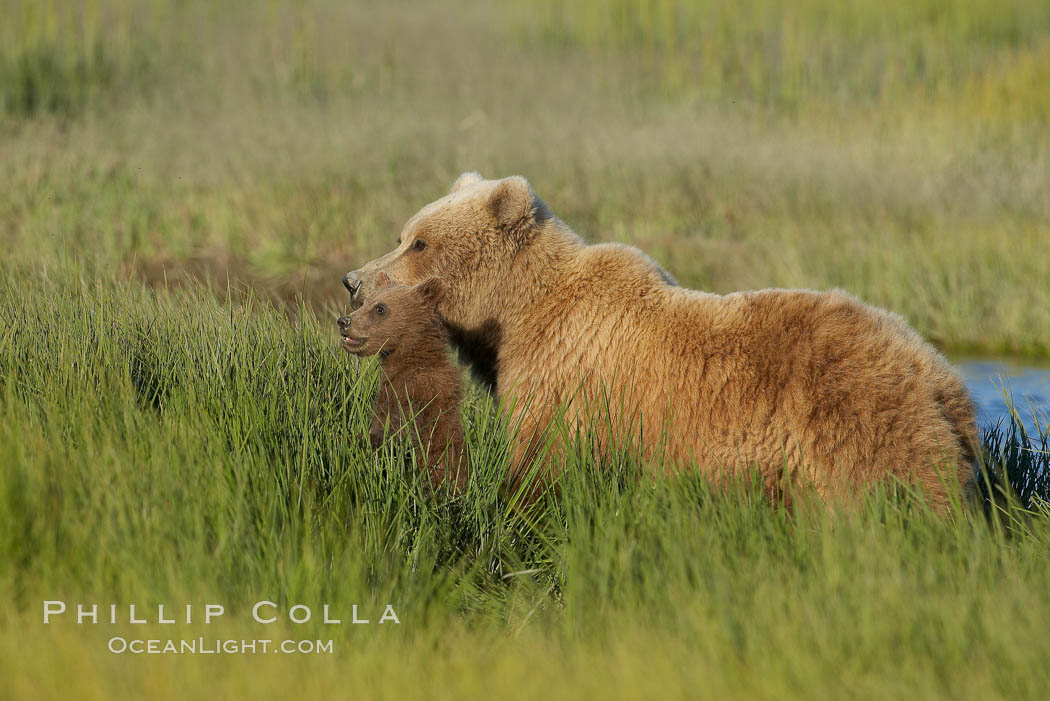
{"points": [[394, 317], [468, 239]]}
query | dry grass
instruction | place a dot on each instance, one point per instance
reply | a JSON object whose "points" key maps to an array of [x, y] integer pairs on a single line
{"points": [[284, 143]]}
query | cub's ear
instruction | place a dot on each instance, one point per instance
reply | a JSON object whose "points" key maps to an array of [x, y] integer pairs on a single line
{"points": [[431, 291], [516, 207], [466, 180]]}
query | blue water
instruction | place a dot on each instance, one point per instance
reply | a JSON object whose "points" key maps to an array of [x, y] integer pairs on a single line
{"points": [[1029, 387]]}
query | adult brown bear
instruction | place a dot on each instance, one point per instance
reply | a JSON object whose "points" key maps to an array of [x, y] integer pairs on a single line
{"points": [[810, 387]]}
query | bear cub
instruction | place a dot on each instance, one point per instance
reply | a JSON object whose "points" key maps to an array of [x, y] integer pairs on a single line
{"points": [[420, 388]]}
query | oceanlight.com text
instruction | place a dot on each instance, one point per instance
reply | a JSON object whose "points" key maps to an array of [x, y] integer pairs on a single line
{"points": [[212, 646]]}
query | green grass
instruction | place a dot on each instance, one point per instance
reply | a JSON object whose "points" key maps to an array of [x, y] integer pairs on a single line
{"points": [[802, 54], [897, 150], [165, 447], [177, 424]]}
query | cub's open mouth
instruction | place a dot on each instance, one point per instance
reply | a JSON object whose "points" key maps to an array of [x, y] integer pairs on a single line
{"points": [[351, 342]]}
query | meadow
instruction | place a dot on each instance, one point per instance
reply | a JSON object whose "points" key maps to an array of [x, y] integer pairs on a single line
{"points": [[170, 448], [183, 183]]}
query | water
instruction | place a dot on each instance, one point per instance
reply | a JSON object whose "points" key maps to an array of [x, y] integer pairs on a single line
{"points": [[1029, 386]]}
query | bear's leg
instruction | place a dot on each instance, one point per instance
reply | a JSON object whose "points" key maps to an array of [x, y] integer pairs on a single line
{"points": [[377, 431], [448, 473], [529, 474]]}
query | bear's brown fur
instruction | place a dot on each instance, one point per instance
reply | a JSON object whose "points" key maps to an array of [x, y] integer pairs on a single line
{"points": [[420, 388], [810, 387]]}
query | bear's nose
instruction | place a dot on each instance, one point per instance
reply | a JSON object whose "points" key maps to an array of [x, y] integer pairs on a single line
{"points": [[344, 323], [352, 283]]}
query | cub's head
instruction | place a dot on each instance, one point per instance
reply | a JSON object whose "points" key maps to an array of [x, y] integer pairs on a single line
{"points": [[394, 317], [467, 239]]}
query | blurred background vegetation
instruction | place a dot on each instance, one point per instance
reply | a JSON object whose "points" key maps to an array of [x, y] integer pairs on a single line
{"points": [[897, 150]]}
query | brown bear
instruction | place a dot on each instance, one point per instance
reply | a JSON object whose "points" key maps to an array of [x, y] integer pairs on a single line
{"points": [[810, 387], [420, 387]]}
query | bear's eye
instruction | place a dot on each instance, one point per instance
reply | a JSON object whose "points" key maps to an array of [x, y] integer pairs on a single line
{"points": [[420, 245], [380, 309]]}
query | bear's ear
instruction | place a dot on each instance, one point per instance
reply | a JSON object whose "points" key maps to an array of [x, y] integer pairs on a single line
{"points": [[466, 180], [431, 291], [515, 207]]}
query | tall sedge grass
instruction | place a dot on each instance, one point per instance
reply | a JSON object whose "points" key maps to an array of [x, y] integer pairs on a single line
{"points": [[165, 447]]}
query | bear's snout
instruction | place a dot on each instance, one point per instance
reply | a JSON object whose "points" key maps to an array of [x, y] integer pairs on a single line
{"points": [[344, 324], [352, 283]]}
